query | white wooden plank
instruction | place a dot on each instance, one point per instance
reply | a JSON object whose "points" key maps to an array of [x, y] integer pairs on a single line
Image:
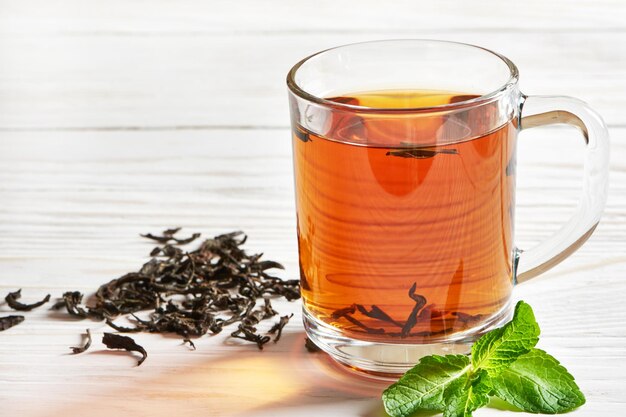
{"points": [[73, 17], [197, 82]]}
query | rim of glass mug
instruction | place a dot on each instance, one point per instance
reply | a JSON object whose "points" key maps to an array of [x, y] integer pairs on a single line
{"points": [[493, 95]]}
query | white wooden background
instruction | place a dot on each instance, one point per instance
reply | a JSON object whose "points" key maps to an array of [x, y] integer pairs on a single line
{"points": [[121, 117]]}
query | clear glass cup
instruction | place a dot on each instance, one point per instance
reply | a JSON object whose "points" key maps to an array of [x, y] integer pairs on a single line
{"points": [[404, 165]]}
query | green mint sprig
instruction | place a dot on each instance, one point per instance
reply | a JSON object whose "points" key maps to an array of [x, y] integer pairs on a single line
{"points": [[503, 363]]}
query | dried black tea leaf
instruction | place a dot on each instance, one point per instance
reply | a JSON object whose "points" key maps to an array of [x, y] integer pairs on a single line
{"points": [[191, 293], [253, 317], [12, 298], [71, 301], [123, 329], [188, 240], [7, 322], [168, 236], [278, 327], [263, 265], [115, 341], [171, 232], [249, 333], [190, 342], [81, 349]]}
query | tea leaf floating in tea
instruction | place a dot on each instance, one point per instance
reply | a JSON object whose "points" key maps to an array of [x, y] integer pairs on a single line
{"points": [[368, 329], [12, 298], [376, 313], [81, 349], [420, 302], [420, 313], [347, 313], [115, 341], [342, 312], [467, 318], [303, 136], [420, 153], [7, 322]]}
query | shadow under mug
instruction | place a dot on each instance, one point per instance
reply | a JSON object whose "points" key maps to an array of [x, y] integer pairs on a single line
{"points": [[404, 165]]}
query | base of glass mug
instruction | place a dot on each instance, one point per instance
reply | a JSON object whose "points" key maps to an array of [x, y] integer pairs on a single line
{"points": [[389, 360]]}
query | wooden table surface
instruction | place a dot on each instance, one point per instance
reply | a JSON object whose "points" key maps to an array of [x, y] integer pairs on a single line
{"points": [[123, 117]]}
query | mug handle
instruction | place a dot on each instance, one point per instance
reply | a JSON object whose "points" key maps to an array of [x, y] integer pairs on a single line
{"points": [[546, 110]]}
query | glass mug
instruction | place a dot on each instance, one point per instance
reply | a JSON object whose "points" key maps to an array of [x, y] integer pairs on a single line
{"points": [[404, 166]]}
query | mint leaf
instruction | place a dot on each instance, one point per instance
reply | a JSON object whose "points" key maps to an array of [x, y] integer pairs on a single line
{"points": [[537, 383], [423, 386], [467, 394], [501, 347], [504, 362]]}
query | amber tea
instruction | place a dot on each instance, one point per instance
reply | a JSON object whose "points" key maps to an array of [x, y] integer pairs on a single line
{"points": [[403, 238]]}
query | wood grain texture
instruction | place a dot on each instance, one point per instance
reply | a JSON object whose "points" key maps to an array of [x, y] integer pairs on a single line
{"points": [[190, 82], [123, 117], [146, 17]]}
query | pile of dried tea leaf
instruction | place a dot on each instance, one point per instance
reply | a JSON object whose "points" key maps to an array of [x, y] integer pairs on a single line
{"points": [[190, 293]]}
